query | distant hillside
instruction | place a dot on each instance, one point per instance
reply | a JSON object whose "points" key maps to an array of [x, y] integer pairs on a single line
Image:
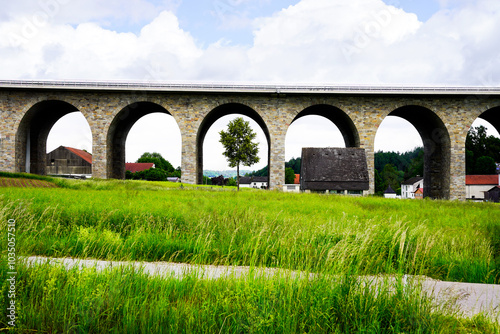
{"points": [[225, 173]]}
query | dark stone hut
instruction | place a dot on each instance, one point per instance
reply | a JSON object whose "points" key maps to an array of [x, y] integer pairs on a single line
{"points": [[334, 170]]}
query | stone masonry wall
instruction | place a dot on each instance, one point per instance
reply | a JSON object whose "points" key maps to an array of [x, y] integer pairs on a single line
{"points": [[456, 114]]}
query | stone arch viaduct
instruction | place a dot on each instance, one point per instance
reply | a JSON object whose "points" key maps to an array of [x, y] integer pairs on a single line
{"points": [[441, 115]]}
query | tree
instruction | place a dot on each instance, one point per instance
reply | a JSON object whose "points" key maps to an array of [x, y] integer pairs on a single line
{"points": [[230, 182], [380, 185], [154, 174], [485, 166], [391, 176], [294, 163], [218, 180], [239, 146], [480, 146], [158, 160], [416, 166], [289, 176]]}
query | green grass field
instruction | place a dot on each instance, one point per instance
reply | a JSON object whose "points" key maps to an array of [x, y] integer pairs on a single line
{"points": [[331, 235]]}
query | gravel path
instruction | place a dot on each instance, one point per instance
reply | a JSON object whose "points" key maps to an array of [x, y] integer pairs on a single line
{"points": [[470, 298]]}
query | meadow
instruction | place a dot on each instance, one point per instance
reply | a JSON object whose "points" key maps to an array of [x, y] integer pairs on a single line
{"points": [[333, 236]]}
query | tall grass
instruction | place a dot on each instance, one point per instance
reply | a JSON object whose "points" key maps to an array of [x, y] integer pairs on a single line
{"points": [[52, 299], [444, 240], [337, 238]]}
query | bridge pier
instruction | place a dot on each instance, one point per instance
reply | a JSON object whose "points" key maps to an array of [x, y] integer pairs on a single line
{"points": [[442, 117], [277, 160], [190, 164]]}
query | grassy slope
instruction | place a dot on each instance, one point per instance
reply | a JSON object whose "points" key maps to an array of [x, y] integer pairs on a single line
{"points": [[444, 240], [157, 221]]}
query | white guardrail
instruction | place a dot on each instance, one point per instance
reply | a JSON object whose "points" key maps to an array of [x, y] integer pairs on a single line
{"points": [[247, 87]]}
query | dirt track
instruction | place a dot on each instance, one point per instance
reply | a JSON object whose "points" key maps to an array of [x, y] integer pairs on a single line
{"points": [[470, 298]]}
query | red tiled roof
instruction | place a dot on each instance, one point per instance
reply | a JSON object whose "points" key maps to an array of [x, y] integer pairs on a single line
{"points": [[82, 154], [297, 179], [419, 191], [138, 166], [481, 179]]}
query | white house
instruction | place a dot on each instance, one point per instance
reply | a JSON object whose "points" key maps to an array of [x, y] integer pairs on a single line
{"points": [[295, 187], [410, 186], [476, 185], [257, 182]]}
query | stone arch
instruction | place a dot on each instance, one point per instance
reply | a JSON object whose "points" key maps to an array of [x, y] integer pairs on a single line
{"points": [[117, 134], [337, 117], [32, 133], [437, 148], [492, 116], [213, 116]]}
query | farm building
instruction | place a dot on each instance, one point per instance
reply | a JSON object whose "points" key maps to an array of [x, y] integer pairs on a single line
{"points": [[69, 161], [390, 193], [295, 187], [410, 186], [419, 194], [134, 167], [477, 185], [493, 195], [334, 170], [257, 182]]}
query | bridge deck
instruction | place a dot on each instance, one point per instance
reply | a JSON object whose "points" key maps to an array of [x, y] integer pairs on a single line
{"points": [[248, 87]]}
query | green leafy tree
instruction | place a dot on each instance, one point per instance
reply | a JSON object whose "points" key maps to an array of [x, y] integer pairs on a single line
{"points": [[260, 172], [294, 163], [416, 166], [154, 174], [239, 146], [207, 180], [158, 160], [380, 185], [162, 170], [478, 145], [485, 165], [289, 176], [393, 177], [231, 182]]}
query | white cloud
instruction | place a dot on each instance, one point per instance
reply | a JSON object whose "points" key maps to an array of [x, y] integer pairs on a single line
{"points": [[162, 136], [315, 41], [396, 127], [74, 129], [328, 41], [321, 132], [89, 51]]}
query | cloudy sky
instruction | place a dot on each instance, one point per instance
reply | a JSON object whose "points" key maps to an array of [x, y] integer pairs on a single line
{"points": [[390, 42]]}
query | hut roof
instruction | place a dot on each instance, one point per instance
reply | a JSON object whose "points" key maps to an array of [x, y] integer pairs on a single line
{"points": [[481, 179], [413, 180], [138, 166], [81, 153], [389, 190], [250, 179]]}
